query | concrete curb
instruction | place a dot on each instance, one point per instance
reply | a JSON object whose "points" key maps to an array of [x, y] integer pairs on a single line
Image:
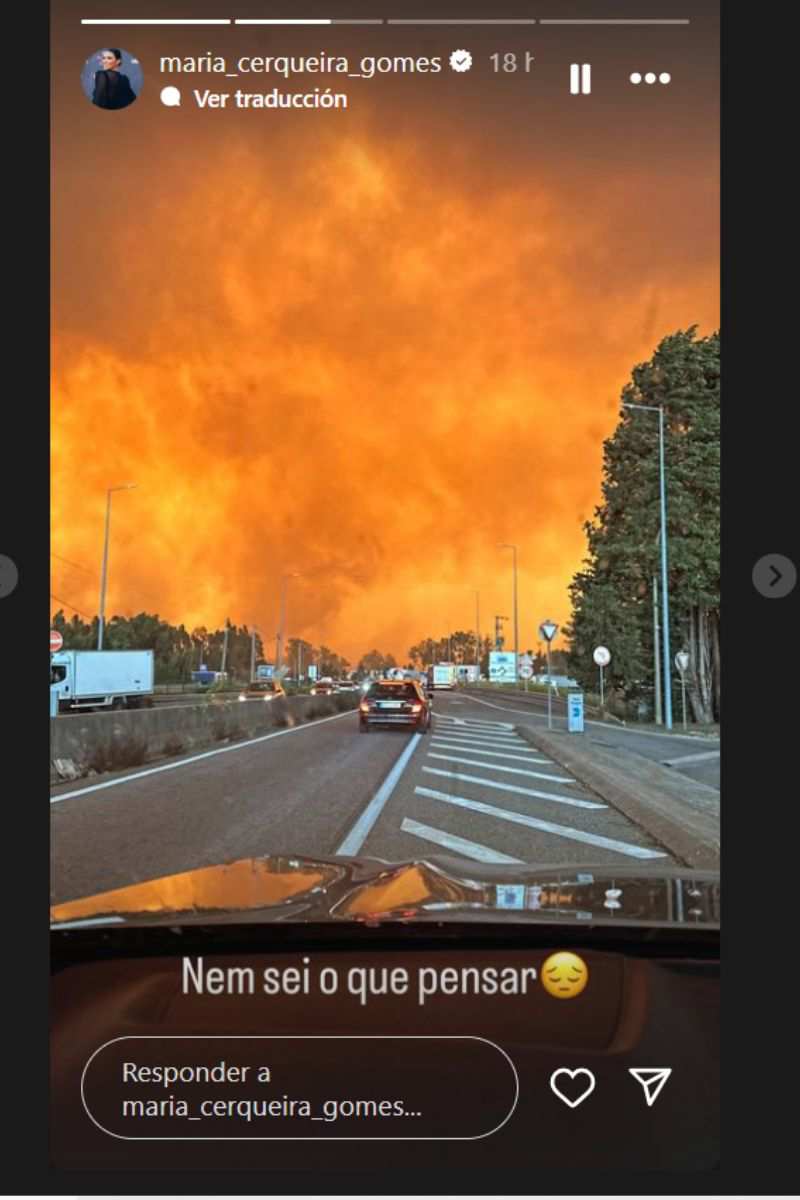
{"points": [[679, 813]]}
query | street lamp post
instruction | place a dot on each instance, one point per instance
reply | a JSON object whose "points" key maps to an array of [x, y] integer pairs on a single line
{"points": [[124, 487], [509, 546], [478, 636], [662, 488], [282, 626]]}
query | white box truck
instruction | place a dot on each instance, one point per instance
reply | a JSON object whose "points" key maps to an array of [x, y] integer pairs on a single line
{"points": [[443, 675], [87, 679]]}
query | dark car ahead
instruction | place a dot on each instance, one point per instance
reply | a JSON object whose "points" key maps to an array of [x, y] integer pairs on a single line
{"points": [[262, 689], [395, 702]]}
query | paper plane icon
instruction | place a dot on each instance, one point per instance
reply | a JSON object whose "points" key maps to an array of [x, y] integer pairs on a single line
{"points": [[652, 1080]]}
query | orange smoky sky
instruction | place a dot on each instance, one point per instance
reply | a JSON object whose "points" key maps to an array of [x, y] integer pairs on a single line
{"points": [[367, 359]]}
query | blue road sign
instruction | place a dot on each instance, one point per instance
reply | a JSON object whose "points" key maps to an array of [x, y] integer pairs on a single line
{"points": [[575, 712]]}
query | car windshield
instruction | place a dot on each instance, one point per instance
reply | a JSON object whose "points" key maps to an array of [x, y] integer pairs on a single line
{"points": [[396, 404]]}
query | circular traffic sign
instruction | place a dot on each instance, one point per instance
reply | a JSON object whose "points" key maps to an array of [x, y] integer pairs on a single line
{"points": [[525, 671], [56, 641], [682, 661], [602, 656]]}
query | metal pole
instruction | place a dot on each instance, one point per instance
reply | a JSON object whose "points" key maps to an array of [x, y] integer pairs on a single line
{"points": [[101, 620], [516, 623], [549, 690], [281, 626], [103, 576], [683, 698], [252, 655], [225, 648], [478, 635], [656, 656], [602, 694], [664, 583]]}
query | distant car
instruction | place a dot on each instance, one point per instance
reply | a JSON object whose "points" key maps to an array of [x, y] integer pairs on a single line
{"points": [[395, 702], [262, 689], [323, 687], [347, 685]]}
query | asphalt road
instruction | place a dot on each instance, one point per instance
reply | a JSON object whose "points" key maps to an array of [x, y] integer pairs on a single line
{"points": [[470, 788]]}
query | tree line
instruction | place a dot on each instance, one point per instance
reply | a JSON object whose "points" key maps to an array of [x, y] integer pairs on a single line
{"points": [[616, 596], [178, 651]]}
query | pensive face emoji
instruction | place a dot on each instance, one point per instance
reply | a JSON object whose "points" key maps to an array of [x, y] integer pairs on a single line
{"points": [[564, 975]]}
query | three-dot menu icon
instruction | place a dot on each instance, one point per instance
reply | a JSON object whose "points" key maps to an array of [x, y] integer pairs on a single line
{"points": [[650, 77]]}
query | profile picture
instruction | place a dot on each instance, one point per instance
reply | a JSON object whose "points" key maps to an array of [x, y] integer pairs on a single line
{"points": [[111, 78]]}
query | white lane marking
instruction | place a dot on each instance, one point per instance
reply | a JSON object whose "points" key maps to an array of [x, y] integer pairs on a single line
{"points": [[461, 845], [185, 762], [358, 834], [489, 743], [470, 762], [473, 749], [673, 737], [517, 789], [492, 739], [706, 756], [477, 723], [573, 835]]}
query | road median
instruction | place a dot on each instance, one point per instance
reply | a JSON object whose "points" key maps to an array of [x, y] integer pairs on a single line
{"points": [[679, 813], [86, 744]]}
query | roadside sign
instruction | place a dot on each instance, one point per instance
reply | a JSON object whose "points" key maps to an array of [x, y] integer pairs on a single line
{"points": [[501, 666], [548, 630], [312, 671], [682, 663], [525, 660], [525, 671], [575, 712], [602, 656], [56, 641]]}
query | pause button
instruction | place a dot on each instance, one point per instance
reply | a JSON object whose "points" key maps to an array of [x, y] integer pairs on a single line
{"points": [[580, 79]]}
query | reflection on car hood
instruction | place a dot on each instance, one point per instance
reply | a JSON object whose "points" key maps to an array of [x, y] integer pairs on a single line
{"points": [[283, 888]]}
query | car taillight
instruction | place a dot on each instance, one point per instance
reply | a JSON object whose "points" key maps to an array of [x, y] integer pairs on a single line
{"points": [[364, 706]]}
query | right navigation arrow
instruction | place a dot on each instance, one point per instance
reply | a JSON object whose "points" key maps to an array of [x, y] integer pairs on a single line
{"points": [[652, 1080], [776, 575]]}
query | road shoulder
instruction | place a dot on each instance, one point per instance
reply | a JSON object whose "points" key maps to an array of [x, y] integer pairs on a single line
{"points": [[679, 813]]}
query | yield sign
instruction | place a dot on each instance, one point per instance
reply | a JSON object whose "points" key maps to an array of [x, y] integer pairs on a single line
{"points": [[548, 630], [652, 1080]]}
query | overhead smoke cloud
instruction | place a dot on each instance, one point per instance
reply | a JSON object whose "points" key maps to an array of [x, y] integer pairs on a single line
{"points": [[356, 362]]}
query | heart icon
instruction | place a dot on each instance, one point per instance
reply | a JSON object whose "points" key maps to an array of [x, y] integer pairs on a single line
{"points": [[579, 1097]]}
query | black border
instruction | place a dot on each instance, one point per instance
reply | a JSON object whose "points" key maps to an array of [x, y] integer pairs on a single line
{"points": [[759, 506]]}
